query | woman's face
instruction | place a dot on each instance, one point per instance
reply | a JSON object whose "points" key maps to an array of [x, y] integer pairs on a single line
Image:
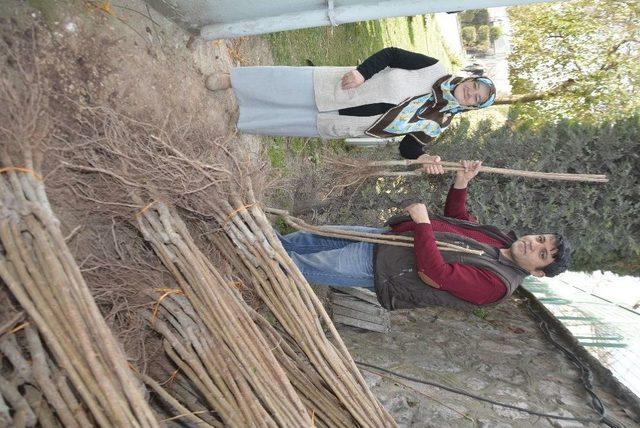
{"points": [[471, 93]]}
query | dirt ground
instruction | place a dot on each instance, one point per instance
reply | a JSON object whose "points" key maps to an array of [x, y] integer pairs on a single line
{"points": [[131, 58]]}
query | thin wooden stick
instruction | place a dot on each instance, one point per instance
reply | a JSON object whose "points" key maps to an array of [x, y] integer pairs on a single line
{"points": [[333, 232], [167, 398], [453, 166]]}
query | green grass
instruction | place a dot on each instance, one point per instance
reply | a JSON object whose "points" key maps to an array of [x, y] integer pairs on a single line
{"points": [[283, 227], [480, 313], [349, 44], [282, 148]]}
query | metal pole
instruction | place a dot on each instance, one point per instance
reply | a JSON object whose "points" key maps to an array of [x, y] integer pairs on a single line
{"points": [[340, 14]]}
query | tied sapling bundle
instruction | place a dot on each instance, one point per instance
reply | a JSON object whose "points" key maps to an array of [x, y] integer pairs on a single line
{"points": [[39, 270], [254, 388]]}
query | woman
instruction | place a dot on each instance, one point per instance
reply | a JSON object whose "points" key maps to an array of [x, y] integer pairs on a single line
{"points": [[392, 93]]}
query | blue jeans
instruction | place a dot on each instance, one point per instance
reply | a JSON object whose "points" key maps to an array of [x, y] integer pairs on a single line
{"points": [[333, 261]]}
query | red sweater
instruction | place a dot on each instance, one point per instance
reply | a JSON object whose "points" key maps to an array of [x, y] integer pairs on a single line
{"points": [[469, 283]]}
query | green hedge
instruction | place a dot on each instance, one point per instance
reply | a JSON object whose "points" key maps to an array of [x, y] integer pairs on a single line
{"points": [[601, 220]]}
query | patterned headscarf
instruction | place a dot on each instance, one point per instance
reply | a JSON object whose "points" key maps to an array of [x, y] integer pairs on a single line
{"points": [[425, 116]]}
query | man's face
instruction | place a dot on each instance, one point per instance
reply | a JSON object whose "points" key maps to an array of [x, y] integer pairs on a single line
{"points": [[534, 252], [471, 93]]}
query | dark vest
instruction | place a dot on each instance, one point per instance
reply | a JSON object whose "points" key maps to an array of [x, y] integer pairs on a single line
{"points": [[398, 285]]}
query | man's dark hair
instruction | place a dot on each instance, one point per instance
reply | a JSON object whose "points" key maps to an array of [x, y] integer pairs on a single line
{"points": [[561, 259]]}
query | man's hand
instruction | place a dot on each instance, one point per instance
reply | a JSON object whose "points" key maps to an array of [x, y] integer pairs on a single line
{"points": [[352, 79], [418, 213], [463, 177], [432, 168]]}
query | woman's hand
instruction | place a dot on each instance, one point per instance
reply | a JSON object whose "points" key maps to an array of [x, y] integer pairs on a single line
{"points": [[352, 79], [463, 177], [431, 168]]}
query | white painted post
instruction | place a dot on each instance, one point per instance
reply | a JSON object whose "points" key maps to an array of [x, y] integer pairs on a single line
{"points": [[371, 141], [341, 14]]}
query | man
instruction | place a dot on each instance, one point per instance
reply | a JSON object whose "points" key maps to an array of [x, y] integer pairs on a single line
{"points": [[404, 277]]}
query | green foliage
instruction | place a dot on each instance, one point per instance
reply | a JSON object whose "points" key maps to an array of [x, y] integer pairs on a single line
{"points": [[469, 35], [474, 17], [482, 17], [484, 46], [466, 16], [483, 33], [281, 226], [476, 38], [480, 313], [589, 50], [494, 33]]}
